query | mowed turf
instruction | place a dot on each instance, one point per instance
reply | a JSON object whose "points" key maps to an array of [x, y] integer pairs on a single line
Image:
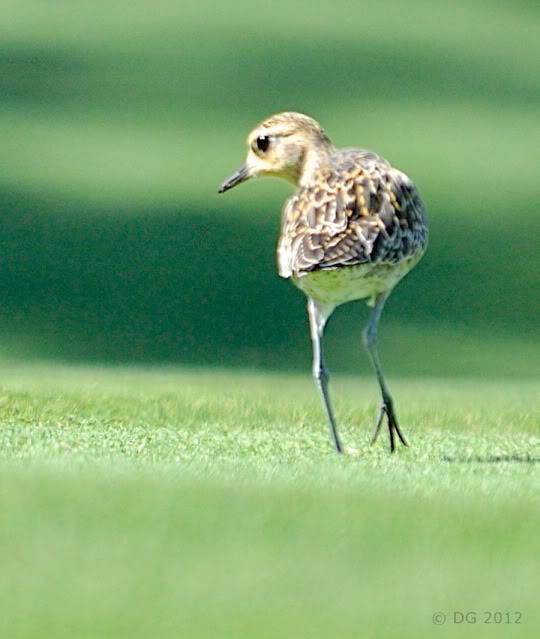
{"points": [[193, 503]]}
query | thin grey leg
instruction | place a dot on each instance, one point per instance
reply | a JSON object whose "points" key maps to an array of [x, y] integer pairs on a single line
{"points": [[387, 406], [317, 321]]}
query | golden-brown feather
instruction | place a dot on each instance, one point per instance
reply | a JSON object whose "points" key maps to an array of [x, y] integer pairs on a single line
{"points": [[357, 210]]}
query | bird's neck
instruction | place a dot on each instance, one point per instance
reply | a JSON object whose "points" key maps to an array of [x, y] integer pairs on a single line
{"points": [[314, 160]]}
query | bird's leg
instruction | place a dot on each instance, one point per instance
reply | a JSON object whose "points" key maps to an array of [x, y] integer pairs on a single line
{"points": [[317, 321], [387, 406]]}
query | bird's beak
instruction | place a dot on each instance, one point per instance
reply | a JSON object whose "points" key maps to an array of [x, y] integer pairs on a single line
{"points": [[237, 178]]}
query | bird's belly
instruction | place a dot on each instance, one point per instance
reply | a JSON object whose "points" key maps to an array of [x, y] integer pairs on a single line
{"points": [[335, 286]]}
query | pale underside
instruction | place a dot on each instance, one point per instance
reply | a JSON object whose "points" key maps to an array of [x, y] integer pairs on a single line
{"points": [[334, 286]]}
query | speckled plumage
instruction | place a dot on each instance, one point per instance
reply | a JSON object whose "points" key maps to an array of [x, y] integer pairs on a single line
{"points": [[353, 228], [357, 211]]}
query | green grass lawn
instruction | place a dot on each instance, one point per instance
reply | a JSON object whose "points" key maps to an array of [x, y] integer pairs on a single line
{"points": [[208, 503], [194, 503]]}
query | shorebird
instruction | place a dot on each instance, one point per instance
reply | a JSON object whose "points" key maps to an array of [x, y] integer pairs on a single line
{"points": [[352, 230]]}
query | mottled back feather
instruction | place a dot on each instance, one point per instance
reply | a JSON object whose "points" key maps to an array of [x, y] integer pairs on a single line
{"points": [[357, 210]]}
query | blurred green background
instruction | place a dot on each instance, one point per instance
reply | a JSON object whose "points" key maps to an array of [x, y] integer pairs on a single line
{"points": [[143, 501], [119, 120]]}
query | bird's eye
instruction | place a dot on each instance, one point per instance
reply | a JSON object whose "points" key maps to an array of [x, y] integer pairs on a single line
{"points": [[263, 142]]}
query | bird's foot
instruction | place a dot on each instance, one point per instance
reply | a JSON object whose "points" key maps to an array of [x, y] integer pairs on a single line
{"points": [[387, 409]]}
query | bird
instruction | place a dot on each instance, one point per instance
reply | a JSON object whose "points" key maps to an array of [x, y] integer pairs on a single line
{"points": [[354, 227]]}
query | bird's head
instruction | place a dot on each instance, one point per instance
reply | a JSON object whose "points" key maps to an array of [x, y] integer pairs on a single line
{"points": [[284, 145]]}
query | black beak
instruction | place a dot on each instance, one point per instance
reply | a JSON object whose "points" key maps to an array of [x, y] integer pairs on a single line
{"points": [[237, 178]]}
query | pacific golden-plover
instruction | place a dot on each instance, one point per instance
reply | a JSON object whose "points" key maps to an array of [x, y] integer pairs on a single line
{"points": [[353, 228]]}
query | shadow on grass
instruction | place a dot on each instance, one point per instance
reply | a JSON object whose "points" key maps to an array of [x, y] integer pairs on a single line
{"points": [[176, 75], [199, 286], [496, 459]]}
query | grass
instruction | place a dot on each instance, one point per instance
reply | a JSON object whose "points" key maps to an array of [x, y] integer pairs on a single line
{"points": [[198, 503], [188, 502]]}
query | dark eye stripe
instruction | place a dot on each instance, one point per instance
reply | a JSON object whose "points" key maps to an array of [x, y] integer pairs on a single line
{"points": [[263, 142]]}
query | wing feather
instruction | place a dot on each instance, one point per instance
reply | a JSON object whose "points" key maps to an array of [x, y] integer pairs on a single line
{"points": [[361, 210]]}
